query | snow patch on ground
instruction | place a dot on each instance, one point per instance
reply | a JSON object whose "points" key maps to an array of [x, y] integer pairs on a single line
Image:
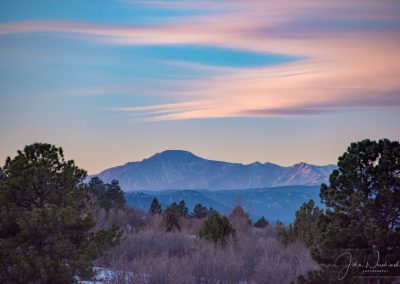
{"points": [[103, 275]]}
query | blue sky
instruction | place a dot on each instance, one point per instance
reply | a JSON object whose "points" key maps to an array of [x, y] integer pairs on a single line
{"points": [[117, 81]]}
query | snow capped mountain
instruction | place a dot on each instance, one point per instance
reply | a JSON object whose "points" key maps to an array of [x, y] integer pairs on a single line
{"points": [[176, 169]]}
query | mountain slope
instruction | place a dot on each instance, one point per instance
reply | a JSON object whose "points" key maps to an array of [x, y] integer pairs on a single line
{"points": [[175, 169], [142, 200], [277, 203]]}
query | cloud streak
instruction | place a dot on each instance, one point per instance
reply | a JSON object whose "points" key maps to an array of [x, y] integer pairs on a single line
{"points": [[350, 56]]}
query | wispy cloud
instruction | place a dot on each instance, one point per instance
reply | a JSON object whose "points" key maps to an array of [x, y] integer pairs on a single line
{"points": [[350, 53]]}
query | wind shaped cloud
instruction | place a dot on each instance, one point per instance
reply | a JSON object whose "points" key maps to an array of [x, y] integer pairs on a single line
{"points": [[346, 55]]}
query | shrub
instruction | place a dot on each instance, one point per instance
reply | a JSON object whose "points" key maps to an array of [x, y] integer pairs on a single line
{"points": [[216, 228], [156, 257]]}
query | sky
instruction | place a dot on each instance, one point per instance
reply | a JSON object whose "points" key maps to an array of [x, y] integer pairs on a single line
{"points": [[240, 81]]}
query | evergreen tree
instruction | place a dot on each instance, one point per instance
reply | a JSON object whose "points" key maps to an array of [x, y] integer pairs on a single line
{"points": [[180, 210], [109, 195], [170, 218], [115, 194], [306, 226], [216, 228], [155, 207], [261, 223], [173, 208], [200, 211], [45, 226], [363, 198], [183, 210], [362, 216]]}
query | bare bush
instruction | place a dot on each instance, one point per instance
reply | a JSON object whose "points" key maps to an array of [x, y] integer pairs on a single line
{"points": [[280, 264], [150, 255], [128, 219]]}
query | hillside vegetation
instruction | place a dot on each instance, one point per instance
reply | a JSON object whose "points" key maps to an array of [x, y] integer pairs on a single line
{"points": [[55, 228]]}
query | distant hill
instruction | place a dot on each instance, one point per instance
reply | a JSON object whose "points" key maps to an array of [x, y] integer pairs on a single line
{"points": [[277, 203], [142, 200], [179, 170]]}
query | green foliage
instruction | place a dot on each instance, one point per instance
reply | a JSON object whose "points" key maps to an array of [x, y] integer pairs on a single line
{"points": [[45, 226], [200, 211], [364, 197], [362, 216], [173, 208], [261, 223], [109, 195], [216, 228], [155, 207], [180, 210], [306, 227]]}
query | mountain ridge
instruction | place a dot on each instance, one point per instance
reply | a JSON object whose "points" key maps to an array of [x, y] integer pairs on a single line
{"points": [[179, 170], [276, 203]]}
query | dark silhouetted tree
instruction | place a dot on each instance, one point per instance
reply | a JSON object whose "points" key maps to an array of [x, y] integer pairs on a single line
{"points": [[109, 195], [155, 207], [200, 211], [45, 229], [180, 210], [183, 210], [306, 226], [174, 208], [216, 228], [363, 210], [170, 218], [261, 223]]}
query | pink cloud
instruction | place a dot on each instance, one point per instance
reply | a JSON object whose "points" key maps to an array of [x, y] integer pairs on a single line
{"points": [[342, 68]]}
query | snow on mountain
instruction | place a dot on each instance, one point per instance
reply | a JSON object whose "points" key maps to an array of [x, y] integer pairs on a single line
{"points": [[176, 169]]}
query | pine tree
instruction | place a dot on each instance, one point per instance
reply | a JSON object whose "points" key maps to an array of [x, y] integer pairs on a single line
{"points": [[362, 215], [170, 218], [155, 207], [306, 227], [108, 195], [115, 194], [45, 225], [216, 228], [200, 211], [183, 210], [261, 223], [363, 198]]}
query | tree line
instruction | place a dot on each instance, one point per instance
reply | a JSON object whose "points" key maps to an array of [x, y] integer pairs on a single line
{"points": [[216, 227], [48, 235]]}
